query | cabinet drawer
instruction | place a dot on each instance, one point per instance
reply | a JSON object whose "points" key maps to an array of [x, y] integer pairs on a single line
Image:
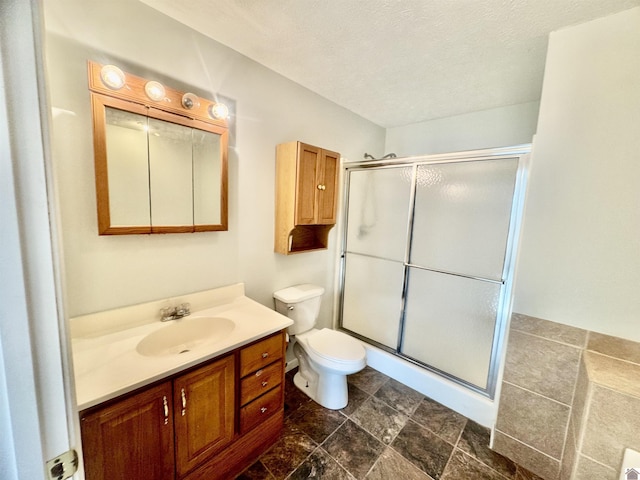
{"points": [[261, 408], [260, 354], [254, 385]]}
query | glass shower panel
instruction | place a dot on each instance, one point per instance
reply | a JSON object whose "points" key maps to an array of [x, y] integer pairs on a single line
{"points": [[378, 212], [372, 298], [450, 322], [462, 216]]}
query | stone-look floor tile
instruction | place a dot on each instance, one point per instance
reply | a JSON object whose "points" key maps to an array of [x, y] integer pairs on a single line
{"points": [[356, 398], [293, 447], [475, 441], [542, 366], [392, 465], [533, 419], [379, 419], [353, 448], [257, 471], [441, 420], [294, 398], [320, 465], [462, 466], [368, 379], [316, 421], [399, 396], [422, 448]]}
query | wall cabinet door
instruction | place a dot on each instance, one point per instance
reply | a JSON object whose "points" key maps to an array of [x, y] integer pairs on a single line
{"points": [[204, 413], [317, 180], [131, 439]]}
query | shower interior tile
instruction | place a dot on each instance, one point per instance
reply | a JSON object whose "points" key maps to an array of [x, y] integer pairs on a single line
{"points": [[538, 463], [587, 469]]}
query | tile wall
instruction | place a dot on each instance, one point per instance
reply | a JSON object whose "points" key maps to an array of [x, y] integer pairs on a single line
{"points": [[569, 402]]}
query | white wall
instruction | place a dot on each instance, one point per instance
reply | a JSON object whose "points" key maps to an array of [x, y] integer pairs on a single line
{"points": [[498, 127], [112, 271], [580, 250]]}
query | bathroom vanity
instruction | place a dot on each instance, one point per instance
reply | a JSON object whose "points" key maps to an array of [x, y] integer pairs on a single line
{"points": [[204, 411]]}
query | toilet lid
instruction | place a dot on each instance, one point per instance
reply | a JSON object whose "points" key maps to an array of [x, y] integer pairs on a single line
{"points": [[336, 346]]}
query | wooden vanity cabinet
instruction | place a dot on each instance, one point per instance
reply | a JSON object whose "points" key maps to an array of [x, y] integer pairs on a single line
{"points": [[203, 413], [306, 196], [132, 438], [199, 425]]}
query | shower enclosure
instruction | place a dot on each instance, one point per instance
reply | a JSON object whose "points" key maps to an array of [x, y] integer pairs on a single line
{"points": [[426, 261]]}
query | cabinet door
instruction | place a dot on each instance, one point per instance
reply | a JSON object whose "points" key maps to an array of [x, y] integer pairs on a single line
{"points": [[132, 438], [307, 184], [328, 182], [204, 413]]}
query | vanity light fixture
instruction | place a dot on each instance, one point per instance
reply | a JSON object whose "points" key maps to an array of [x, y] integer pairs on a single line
{"points": [[154, 90], [112, 77], [190, 101], [219, 111]]}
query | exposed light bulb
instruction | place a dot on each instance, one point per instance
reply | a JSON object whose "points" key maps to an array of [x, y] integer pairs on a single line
{"points": [[219, 111], [154, 90], [112, 77]]}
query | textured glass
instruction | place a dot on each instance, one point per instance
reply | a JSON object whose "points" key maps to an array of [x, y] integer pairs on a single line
{"points": [[372, 299], [378, 212], [462, 216], [450, 323], [170, 168]]}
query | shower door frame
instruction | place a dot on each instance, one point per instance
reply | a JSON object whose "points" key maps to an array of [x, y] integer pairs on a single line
{"points": [[522, 154]]}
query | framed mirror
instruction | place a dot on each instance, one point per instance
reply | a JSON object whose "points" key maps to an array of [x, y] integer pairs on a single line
{"points": [[157, 170]]}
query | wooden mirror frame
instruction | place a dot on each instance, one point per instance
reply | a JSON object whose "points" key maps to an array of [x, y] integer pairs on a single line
{"points": [[132, 98]]}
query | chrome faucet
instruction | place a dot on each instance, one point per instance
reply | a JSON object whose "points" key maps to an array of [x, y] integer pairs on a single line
{"points": [[175, 313]]}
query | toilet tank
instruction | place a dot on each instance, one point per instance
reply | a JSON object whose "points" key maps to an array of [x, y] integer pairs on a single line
{"points": [[301, 303]]}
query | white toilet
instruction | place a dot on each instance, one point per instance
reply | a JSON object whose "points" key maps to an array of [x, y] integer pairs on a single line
{"points": [[325, 357]]}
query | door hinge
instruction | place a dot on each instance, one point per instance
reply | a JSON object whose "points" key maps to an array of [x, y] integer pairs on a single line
{"points": [[63, 466]]}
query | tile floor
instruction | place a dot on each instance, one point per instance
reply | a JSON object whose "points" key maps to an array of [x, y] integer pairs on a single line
{"points": [[387, 431]]}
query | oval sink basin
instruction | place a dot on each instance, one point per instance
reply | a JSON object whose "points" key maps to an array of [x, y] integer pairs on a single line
{"points": [[184, 335]]}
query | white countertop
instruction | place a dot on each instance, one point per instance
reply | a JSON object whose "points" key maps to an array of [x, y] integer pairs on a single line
{"points": [[108, 365]]}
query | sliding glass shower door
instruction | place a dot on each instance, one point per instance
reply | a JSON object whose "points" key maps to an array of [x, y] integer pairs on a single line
{"points": [[426, 260]]}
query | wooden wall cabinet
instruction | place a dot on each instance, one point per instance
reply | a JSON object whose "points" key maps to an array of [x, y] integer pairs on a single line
{"points": [[199, 425], [306, 197]]}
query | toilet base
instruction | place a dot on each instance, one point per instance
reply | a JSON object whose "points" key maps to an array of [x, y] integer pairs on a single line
{"points": [[328, 390]]}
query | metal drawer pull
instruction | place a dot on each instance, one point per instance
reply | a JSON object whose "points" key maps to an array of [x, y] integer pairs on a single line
{"points": [[184, 401], [265, 355], [264, 384], [258, 373], [165, 406], [263, 410]]}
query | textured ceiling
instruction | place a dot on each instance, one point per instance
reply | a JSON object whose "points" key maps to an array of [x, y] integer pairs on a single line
{"points": [[397, 62]]}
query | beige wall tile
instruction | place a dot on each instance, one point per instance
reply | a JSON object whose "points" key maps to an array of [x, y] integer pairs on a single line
{"points": [[543, 366], [569, 455], [579, 400], [618, 375], [614, 347], [587, 469], [551, 330], [612, 425], [537, 462], [533, 419]]}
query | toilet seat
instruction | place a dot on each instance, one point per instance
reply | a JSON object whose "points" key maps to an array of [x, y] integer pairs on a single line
{"points": [[336, 347]]}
